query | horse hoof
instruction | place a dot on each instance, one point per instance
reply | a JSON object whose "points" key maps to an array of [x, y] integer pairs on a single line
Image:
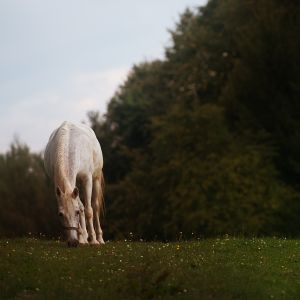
{"points": [[83, 242], [94, 243]]}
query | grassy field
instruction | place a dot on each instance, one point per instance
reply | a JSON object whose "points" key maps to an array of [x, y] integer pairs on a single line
{"points": [[226, 268]]}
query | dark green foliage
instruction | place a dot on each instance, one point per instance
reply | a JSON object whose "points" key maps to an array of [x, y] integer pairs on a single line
{"points": [[207, 140], [263, 90], [217, 182], [27, 200]]}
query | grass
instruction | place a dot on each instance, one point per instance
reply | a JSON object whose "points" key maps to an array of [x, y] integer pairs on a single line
{"points": [[226, 268]]}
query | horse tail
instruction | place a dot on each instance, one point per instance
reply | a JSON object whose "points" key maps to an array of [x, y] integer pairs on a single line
{"points": [[101, 196]]}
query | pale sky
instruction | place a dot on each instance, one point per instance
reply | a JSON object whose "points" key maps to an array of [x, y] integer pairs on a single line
{"points": [[60, 59]]}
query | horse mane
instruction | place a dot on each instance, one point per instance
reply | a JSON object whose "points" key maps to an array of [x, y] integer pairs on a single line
{"points": [[62, 162]]}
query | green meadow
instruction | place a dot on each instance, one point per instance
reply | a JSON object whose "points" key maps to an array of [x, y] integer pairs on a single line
{"points": [[225, 268]]}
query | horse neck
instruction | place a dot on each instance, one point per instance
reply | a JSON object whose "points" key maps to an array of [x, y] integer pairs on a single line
{"points": [[64, 180], [64, 175]]}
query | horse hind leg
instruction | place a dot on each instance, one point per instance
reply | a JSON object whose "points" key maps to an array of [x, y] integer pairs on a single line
{"points": [[82, 232], [96, 203], [87, 190]]}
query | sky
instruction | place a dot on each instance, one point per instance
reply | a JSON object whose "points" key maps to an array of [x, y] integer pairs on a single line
{"points": [[60, 59]]}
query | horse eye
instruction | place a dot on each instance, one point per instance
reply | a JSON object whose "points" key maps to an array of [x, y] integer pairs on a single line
{"points": [[60, 214], [77, 212]]}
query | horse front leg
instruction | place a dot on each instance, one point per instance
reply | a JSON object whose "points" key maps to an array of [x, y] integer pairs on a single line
{"points": [[88, 188], [82, 232]]}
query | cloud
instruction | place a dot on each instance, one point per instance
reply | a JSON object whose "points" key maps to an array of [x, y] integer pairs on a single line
{"points": [[96, 88], [34, 118], [87, 104], [60, 59]]}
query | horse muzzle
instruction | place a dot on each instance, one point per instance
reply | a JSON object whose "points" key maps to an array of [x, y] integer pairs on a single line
{"points": [[73, 243]]}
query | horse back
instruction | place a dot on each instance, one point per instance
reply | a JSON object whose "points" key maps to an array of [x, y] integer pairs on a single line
{"points": [[75, 147]]}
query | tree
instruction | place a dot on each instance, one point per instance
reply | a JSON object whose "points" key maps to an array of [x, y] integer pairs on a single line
{"points": [[207, 140], [25, 193]]}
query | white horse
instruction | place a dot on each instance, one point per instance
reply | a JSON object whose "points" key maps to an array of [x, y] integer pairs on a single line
{"points": [[73, 157]]}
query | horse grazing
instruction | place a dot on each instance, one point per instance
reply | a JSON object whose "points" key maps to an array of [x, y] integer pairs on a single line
{"points": [[72, 159]]}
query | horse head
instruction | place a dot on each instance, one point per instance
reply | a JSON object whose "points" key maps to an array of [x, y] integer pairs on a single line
{"points": [[68, 212]]}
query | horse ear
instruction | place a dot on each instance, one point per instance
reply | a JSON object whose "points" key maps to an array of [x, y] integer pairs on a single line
{"points": [[58, 191], [75, 193]]}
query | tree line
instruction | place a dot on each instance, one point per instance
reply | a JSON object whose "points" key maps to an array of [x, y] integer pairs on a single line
{"points": [[204, 142]]}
